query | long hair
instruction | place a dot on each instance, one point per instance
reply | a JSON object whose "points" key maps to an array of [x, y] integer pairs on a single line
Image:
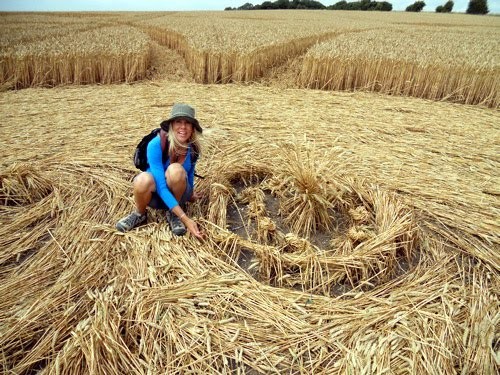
{"points": [[194, 142]]}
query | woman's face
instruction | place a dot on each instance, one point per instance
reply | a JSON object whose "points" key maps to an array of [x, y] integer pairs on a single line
{"points": [[182, 129]]}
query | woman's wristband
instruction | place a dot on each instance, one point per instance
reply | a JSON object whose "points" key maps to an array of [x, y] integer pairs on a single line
{"points": [[183, 214]]}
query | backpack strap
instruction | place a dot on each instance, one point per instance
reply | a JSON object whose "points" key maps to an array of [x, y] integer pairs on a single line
{"points": [[164, 146], [194, 154]]}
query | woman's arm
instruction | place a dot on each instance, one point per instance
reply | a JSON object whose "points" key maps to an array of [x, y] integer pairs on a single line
{"points": [[154, 154]]}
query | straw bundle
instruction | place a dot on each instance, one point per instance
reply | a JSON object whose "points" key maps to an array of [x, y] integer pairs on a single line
{"points": [[22, 184], [303, 191], [220, 196], [265, 227]]}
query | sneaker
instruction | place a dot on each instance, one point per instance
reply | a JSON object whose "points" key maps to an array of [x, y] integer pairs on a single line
{"points": [[131, 221], [176, 225]]}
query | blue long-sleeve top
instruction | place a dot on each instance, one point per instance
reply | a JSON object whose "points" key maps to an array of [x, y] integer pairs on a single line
{"points": [[157, 168]]}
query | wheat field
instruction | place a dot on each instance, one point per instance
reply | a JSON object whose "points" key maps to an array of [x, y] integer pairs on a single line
{"points": [[434, 56], [442, 63], [346, 231]]}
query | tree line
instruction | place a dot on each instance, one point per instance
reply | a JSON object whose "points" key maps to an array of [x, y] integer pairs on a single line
{"points": [[474, 7]]}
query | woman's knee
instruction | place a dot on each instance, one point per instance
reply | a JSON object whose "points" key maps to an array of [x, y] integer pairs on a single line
{"points": [[144, 182], [175, 173]]}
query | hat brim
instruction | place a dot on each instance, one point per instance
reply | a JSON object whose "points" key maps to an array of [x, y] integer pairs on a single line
{"points": [[166, 123]]}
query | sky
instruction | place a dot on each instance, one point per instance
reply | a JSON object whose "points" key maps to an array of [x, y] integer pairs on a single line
{"points": [[163, 5]]}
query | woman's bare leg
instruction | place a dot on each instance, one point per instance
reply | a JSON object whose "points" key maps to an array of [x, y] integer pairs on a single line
{"points": [[144, 186], [176, 180]]}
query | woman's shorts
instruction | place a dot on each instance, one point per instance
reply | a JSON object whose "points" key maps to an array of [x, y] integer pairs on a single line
{"points": [[157, 203]]}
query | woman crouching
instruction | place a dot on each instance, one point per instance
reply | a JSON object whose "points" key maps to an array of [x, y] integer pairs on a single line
{"points": [[168, 182]]}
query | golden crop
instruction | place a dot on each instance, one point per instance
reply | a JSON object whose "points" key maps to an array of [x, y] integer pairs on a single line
{"points": [[102, 55], [452, 57], [432, 63]]}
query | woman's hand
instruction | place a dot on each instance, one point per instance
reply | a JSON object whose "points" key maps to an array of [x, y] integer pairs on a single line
{"points": [[193, 228], [190, 224]]}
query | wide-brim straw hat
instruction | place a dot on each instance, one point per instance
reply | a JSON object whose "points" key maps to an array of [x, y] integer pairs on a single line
{"points": [[182, 111]]}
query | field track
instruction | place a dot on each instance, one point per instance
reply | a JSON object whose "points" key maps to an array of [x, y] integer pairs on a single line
{"points": [[347, 232]]}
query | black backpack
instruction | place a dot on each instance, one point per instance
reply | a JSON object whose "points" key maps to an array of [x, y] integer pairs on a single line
{"points": [[140, 154]]}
